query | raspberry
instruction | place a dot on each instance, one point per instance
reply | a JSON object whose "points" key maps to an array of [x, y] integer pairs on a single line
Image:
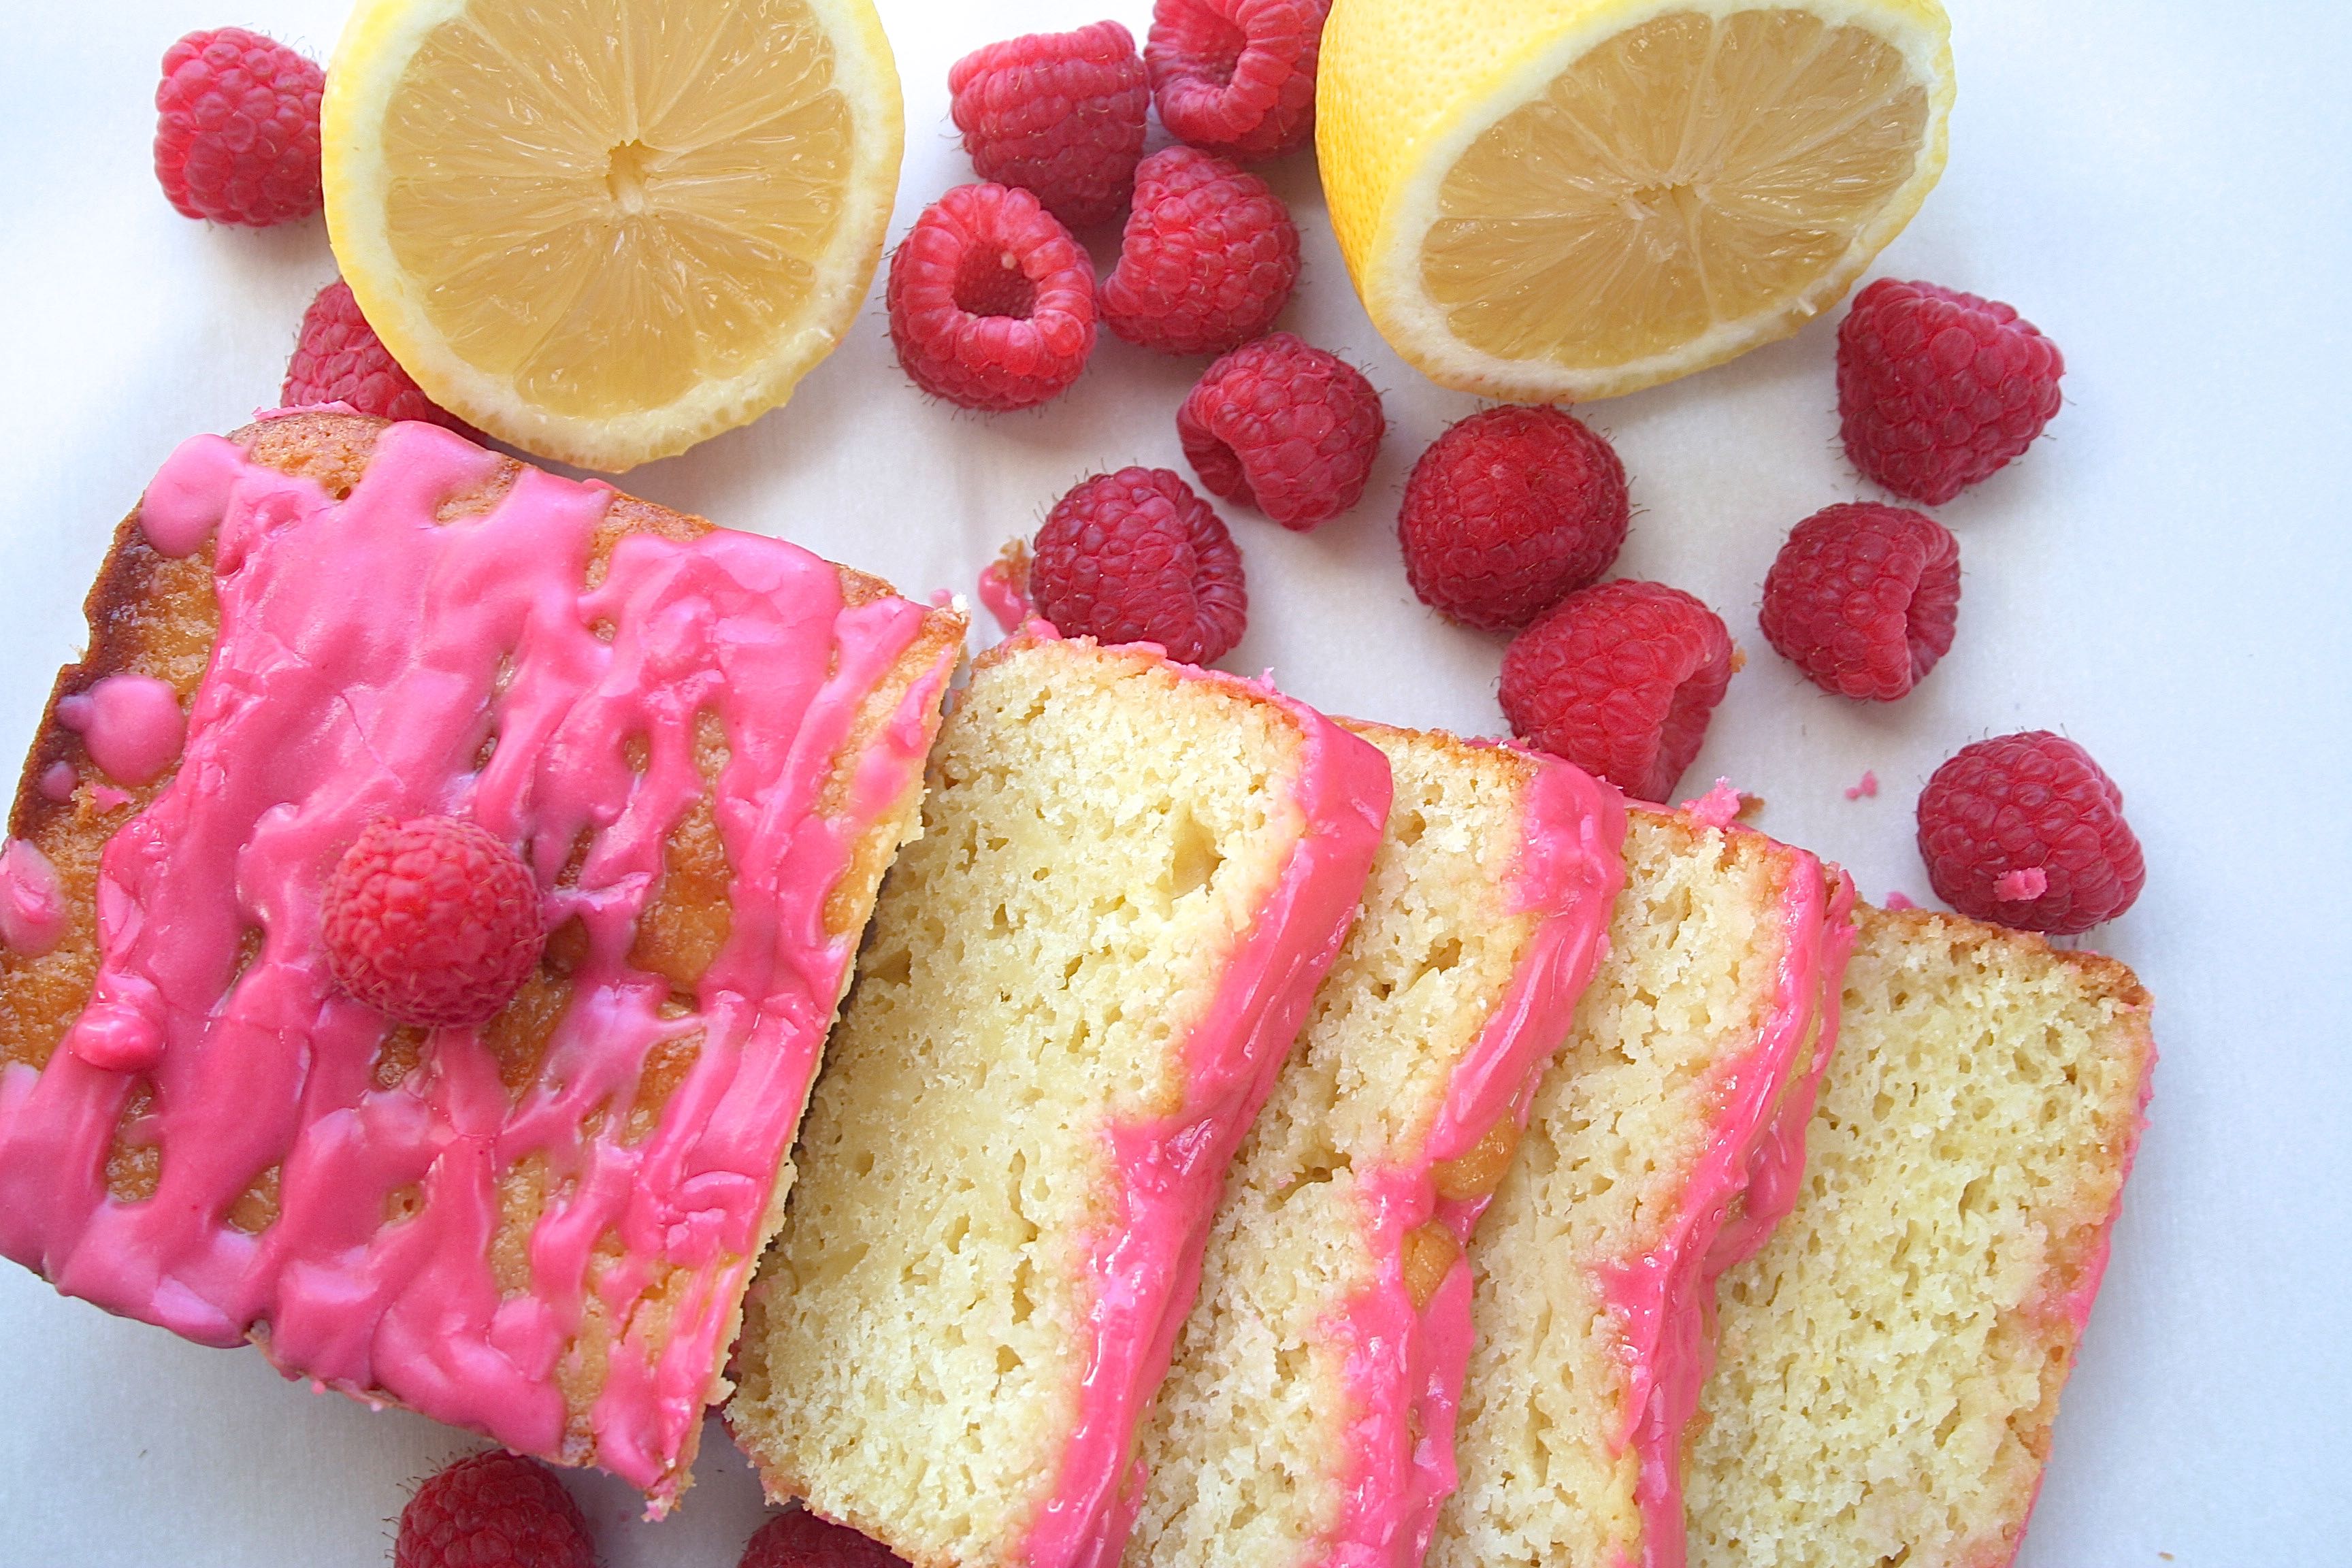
{"points": [[1863, 598], [236, 129], [992, 301], [1135, 557], [1208, 259], [2026, 830], [802, 1540], [1281, 426], [1059, 115], [1937, 389], [431, 922], [1236, 76], [338, 359], [1507, 512], [493, 1510], [1619, 679]]}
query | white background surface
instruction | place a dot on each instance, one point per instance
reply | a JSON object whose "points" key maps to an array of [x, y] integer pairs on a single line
{"points": [[2161, 187]]}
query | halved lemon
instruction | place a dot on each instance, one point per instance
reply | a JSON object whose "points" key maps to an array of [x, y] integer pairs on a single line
{"points": [[1561, 199], [605, 229]]}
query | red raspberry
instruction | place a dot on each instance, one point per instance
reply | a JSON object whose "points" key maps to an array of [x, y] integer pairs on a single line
{"points": [[338, 359], [1619, 679], [1236, 76], [1937, 389], [1135, 557], [2025, 830], [236, 130], [431, 922], [493, 1510], [802, 1540], [1208, 259], [1507, 512], [1281, 426], [992, 301], [1058, 115], [1863, 598]]}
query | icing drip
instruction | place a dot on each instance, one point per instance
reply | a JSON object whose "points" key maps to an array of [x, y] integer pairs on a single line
{"points": [[1008, 605]]}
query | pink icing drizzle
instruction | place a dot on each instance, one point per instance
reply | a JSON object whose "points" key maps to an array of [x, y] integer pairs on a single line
{"points": [[1145, 1266], [1899, 899], [131, 725], [57, 781], [358, 673], [1008, 604], [1405, 1368], [32, 907]]}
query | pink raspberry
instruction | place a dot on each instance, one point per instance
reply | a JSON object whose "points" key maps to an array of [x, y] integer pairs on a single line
{"points": [[493, 1510], [236, 130], [1208, 259], [1058, 115], [1621, 681], [2026, 830], [1135, 557], [1937, 389], [1507, 512], [1236, 76], [1863, 598], [338, 358], [1281, 426], [431, 922], [991, 303], [802, 1540]]}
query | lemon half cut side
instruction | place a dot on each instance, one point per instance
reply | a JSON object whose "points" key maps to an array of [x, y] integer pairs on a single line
{"points": [[606, 229], [1550, 200]]}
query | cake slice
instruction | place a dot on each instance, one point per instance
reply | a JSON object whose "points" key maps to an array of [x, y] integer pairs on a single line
{"points": [[1664, 1140], [1891, 1361], [1079, 985], [1308, 1419], [708, 746]]}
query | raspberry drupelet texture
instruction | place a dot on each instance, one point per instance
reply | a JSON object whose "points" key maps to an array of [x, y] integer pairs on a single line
{"points": [[2026, 830], [802, 1540], [338, 358], [991, 303], [1508, 511], [431, 922], [1208, 259], [1864, 598], [1058, 115], [1619, 679], [1236, 76], [1135, 557], [493, 1510], [1282, 425], [1937, 389], [236, 129]]}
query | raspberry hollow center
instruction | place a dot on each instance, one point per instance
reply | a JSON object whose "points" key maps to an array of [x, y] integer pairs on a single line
{"points": [[991, 283]]}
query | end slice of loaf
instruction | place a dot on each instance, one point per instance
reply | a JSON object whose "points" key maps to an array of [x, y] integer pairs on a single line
{"points": [[1307, 1418], [1891, 1361], [1079, 985], [1699, 1039]]}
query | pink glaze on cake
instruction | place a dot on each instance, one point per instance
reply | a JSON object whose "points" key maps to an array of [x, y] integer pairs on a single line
{"points": [[1145, 1265], [131, 725], [1718, 808], [32, 907], [366, 653], [1404, 1368], [1746, 1181], [57, 781]]}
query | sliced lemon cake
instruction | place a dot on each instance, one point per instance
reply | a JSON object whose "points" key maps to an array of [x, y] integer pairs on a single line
{"points": [[1080, 984], [1661, 1142], [696, 749], [1307, 1418], [1891, 1361]]}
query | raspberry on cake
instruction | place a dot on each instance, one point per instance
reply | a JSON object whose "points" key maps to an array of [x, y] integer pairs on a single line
{"points": [[1059, 114], [237, 132], [991, 303], [695, 749], [1236, 76], [1285, 426], [1207, 259], [1080, 984]]}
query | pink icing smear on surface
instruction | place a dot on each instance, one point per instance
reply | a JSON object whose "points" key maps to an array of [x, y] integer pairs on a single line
{"points": [[367, 654], [1865, 789], [131, 724], [1145, 1266], [1007, 604], [1405, 1367]]}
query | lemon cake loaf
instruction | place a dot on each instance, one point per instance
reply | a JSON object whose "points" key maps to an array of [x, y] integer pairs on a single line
{"points": [[1662, 1141], [1307, 1416], [702, 747], [1080, 984], [1891, 1361]]}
